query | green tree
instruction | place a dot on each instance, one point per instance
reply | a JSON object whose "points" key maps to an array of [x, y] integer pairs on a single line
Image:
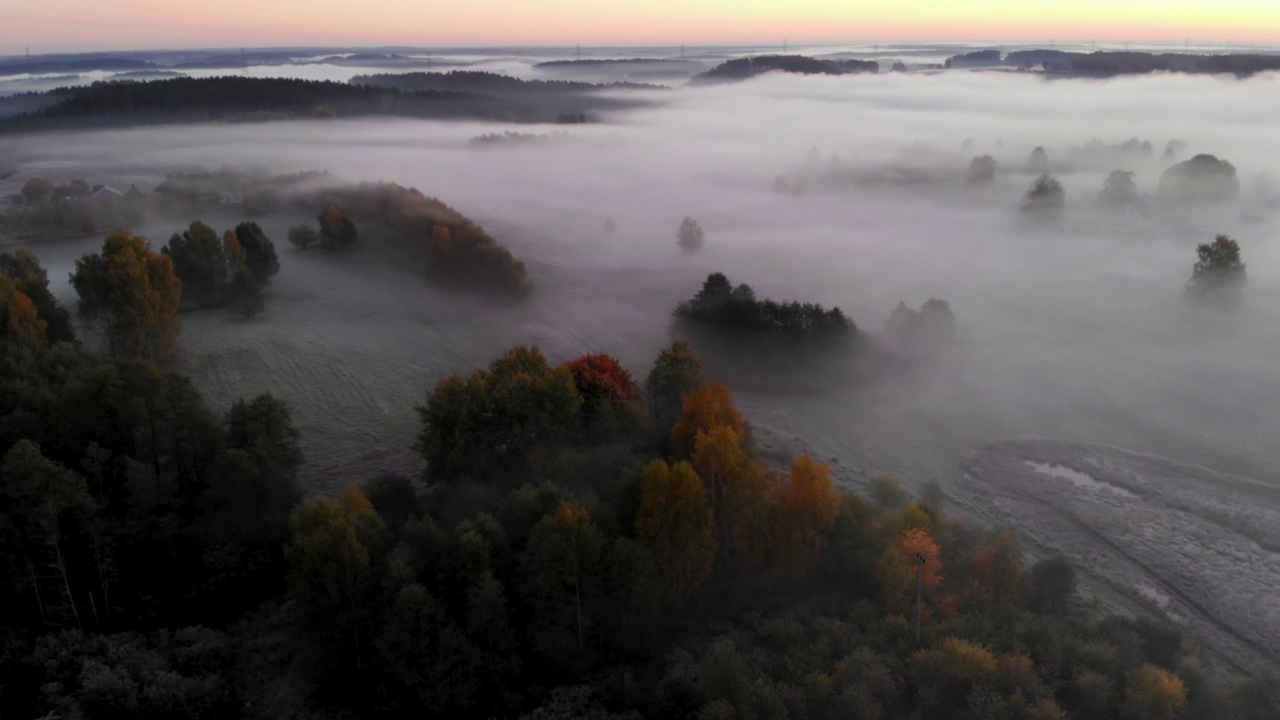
{"points": [[563, 566], [676, 371], [1218, 278], [1045, 198], [1118, 191], [200, 263], [982, 170], [302, 236], [690, 235], [245, 293], [1053, 582], [259, 252]]}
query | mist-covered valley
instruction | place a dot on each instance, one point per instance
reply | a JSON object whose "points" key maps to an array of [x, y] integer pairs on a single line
{"points": [[1073, 331]]}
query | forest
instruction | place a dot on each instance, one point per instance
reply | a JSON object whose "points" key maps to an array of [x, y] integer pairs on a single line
{"points": [[582, 544], [239, 99], [743, 68], [550, 97]]}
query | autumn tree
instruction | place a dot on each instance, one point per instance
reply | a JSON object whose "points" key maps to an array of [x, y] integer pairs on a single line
{"points": [[331, 557], [896, 569], [703, 410], [807, 508], [1155, 694], [609, 394], [675, 524], [37, 190], [200, 262], [739, 490], [28, 278], [675, 371], [303, 236], [1218, 278], [336, 229], [133, 294], [690, 235]]}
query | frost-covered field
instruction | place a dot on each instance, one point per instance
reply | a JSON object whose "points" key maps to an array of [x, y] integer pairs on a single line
{"points": [[1201, 546]]}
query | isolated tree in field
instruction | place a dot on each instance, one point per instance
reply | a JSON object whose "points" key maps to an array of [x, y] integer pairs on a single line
{"points": [[982, 170], [200, 262], [259, 252], [28, 278], [690, 235], [37, 190], [1045, 198], [133, 294], [1118, 190], [1053, 582], [1038, 161], [675, 525], [303, 236], [1218, 278], [336, 229]]}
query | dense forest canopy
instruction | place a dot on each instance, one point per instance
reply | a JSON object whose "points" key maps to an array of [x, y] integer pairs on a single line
{"points": [[236, 98], [574, 549], [743, 68]]}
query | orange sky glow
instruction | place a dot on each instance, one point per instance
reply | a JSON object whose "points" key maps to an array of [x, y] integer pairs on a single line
{"points": [[67, 25]]}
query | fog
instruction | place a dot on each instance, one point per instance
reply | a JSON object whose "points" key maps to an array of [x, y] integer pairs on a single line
{"points": [[1075, 332]]}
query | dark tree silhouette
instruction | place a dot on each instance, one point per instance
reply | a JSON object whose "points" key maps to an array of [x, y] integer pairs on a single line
{"points": [[690, 235], [1218, 278]]}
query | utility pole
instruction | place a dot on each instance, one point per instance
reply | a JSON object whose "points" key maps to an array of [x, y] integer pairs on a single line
{"points": [[579, 51], [784, 45], [919, 584]]}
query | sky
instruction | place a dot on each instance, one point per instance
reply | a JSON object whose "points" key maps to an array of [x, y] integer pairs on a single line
{"points": [[86, 25]]}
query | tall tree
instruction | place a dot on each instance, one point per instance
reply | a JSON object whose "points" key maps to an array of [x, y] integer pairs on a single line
{"points": [[200, 262], [675, 524], [133, 294], [259, 252], [675, 371], [690, 235], [807, 508]]}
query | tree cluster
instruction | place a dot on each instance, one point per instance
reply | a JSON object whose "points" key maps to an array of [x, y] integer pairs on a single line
{"points": [[231, 270], [130, 295], [736, 311], [923, 332], [459, 253]]}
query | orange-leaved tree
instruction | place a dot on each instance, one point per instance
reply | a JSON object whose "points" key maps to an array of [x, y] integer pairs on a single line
{"points": [[675, 524], [897, 567], [702, 410], [1155, 694], [133, 294], [806, 510]]}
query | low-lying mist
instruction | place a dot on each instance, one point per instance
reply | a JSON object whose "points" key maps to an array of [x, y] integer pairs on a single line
{"points": [[1075, 329]]}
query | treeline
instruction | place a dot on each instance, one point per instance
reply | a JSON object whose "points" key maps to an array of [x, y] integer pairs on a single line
{"points": [[743, 68], [234, 98], [584, 546], [552, 98]]}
